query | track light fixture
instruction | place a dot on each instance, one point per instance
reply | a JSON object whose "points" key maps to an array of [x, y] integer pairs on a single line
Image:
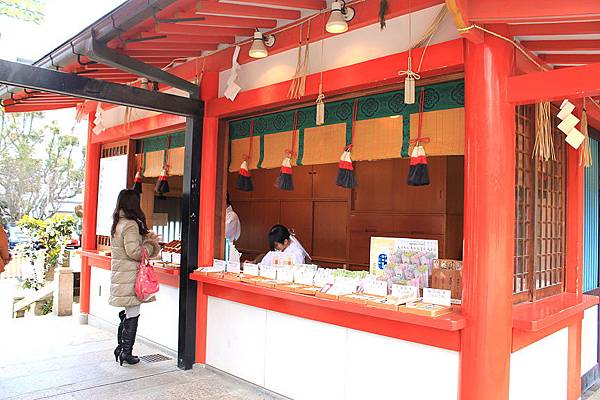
{"points": [[339, 18], [258, 49]]}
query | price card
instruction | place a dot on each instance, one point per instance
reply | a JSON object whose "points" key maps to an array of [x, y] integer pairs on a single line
{"points": [[343, 285], [304, 276], [233, 266], [176, 259], [405, 291], [268, 271], [323, 276], [437, 296], [166, 256], [373, 286], [218, 265], [285, 274], [250, 269]]}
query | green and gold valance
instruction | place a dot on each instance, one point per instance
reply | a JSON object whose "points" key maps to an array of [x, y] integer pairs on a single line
{"points": [[384, 126]]}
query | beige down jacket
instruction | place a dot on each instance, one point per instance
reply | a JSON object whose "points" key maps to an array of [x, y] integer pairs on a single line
{"points": [[126, 252]]}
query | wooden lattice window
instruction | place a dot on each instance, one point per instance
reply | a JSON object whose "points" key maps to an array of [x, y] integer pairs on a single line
{"points": [[540, 209]]}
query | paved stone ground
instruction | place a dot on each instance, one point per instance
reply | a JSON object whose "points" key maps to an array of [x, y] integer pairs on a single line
{"points": [[56, 358]]}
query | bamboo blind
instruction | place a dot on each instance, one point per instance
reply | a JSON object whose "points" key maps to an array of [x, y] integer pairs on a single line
{"points": [[445, 130], [275, 149], [324, 144], [377, 139], [239, 147]]}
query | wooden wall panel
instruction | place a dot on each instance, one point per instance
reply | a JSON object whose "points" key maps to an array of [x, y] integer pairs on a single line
{"points": [[298, 215], [375, 182], [324, 187], [303, 184], [420, 199], [330, 229]]}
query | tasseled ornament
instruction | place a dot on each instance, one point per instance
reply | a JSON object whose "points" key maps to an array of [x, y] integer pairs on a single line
{"points": [[244, 179], [320, 110], [284, 180], [137, 183], [345, 177], [418, 172], [162, 185]]}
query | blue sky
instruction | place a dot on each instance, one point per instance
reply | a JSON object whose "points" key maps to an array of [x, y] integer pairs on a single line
{"points": [[63, 20]]}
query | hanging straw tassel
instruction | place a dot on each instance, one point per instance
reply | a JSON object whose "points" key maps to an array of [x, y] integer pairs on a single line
{"points": [[284, 180], [543, 147], [418, 171], [244, 179], [383, 9], [585, 156], [298, 86], [345, 176]]}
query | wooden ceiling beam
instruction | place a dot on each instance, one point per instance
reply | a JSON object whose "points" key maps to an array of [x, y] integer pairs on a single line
{"points": [[507, 11], [202, 30], [219, 20], [182, 46], [174, 38], [306, 4], [561, 45], [565, 28], [212, 7], [570, 59]]}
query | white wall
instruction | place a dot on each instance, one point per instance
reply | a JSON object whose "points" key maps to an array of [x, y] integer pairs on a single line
{"points": [[304, 359], [352, 47], [539, 371], [589, 340], [158, 320]]}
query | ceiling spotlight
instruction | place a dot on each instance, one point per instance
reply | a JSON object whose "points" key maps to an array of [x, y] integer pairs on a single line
{"points": [[258, 49], [339, 18]]}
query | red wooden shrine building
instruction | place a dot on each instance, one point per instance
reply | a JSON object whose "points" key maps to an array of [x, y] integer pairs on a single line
{"points": [[161, 81]]}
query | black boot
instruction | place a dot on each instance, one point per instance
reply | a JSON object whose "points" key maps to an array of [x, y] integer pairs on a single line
{"points": [[129, 331], [119, 335]]}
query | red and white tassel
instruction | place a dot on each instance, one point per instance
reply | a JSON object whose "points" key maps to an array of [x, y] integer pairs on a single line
{"points": [[345, 177], [137, 183], [244, 179], [284, 180], [418, 172], [162, 185]]}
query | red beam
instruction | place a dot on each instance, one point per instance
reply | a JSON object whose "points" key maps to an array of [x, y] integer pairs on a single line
{"points": [[20, 108], [217, 20], [486, 11], [307, 4], [561, 45], [570, 59], [160, 53], [441, 58], [201, 30], [171, 38], [145, 126], [287, 39], [565, 28], [460, 13], [211, 7], [156, 46], [555, 85]]}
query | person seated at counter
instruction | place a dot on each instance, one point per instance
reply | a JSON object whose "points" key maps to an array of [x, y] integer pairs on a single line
{"points": [[282, 241]]}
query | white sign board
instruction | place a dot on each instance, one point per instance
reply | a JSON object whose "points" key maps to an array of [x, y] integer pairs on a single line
{"points": [[436, 296], [112, 179]]}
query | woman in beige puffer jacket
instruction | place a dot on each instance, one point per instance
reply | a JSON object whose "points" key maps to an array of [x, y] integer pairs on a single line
{"points": [[129, 234]]}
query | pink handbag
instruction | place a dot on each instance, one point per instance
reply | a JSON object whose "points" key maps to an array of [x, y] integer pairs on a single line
{"points": [[146, 284]]}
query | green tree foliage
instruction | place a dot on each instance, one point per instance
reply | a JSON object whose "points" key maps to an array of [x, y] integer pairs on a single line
{"points": [[26, 10], [39, 167]]}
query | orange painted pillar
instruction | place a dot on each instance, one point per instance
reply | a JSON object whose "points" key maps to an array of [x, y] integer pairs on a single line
{"points": [[489, 222], [574, 260], [208, 182], [90, 207]]}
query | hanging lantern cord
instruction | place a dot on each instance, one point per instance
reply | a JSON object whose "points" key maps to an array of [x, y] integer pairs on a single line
{"points": [[247, 156], [291, 150], [354, 117]]}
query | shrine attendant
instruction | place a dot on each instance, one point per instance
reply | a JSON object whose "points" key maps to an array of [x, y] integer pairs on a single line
{"points": [[282, 242]]}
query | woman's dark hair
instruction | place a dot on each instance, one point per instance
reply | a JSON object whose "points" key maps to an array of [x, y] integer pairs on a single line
{"points": [[228, 201], [278, 234], [128, 202]]}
